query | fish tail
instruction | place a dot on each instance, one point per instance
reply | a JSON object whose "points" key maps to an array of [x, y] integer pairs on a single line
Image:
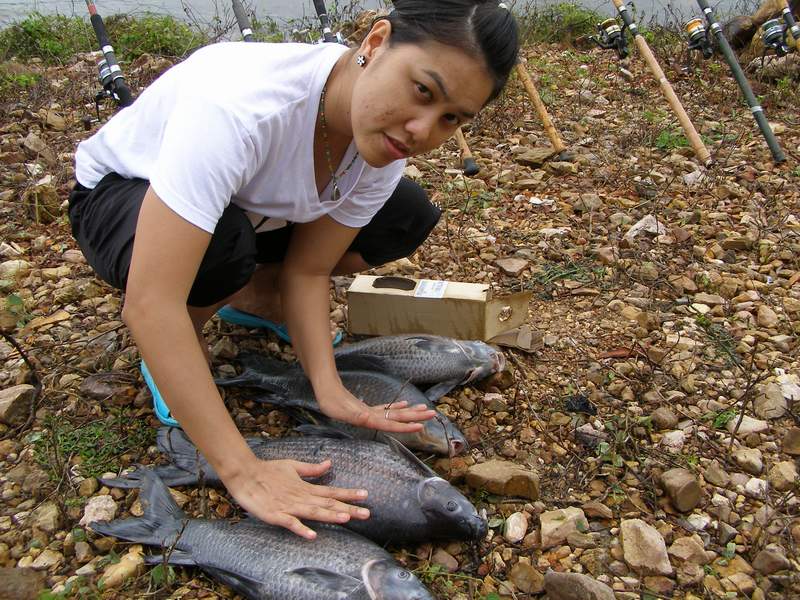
{"points": [[162, 522]]}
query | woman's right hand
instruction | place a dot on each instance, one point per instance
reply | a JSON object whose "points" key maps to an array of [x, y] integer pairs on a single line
{"points": [[274, 492]]}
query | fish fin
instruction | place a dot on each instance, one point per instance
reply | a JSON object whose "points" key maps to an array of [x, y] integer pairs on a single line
{"points": [[169, 474], [263, 364], [342, 585], [400, 448], [161, 523], [247, 587], [362, 362], [435, 392], [323, 431], [176, 557]]}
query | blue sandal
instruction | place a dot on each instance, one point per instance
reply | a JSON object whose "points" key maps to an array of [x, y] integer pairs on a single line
{"points": [[237, 317], [159, 406]]}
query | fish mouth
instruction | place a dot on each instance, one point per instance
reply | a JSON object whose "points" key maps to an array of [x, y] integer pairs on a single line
{"points": [[478, 527], [498, 362]]}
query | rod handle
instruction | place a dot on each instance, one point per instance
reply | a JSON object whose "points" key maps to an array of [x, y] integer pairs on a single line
{"points": [[469, 165], [541, 109]]}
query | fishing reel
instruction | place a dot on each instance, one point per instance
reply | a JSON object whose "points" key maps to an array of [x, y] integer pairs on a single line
{"points": [[611, 37], [698, 37], [774, 35]]}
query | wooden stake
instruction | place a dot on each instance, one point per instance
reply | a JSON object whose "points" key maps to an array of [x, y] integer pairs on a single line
{"points": [[549, 129]]}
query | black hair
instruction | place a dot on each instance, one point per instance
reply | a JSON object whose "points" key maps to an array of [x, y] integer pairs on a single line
{"points": [[483, 29]]}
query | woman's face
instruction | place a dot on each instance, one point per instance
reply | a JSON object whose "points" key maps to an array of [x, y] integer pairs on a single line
{"points": [[411, 98]]}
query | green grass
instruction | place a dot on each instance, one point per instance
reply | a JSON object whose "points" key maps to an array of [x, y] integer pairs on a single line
{"points": [[57, 39], [97, 445], [670, 139]]}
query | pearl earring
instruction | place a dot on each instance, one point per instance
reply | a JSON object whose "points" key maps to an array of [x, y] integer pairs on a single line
{"points": [[361, 60]]}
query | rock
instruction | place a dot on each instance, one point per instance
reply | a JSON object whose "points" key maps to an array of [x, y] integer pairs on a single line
{"points": [[46, 517], [755, 488], [574, 586], [715, 474], [99, 508], [783, 476], [607, 255], [83, 552], [770, 403], [527, 578], [73, 256], [48, 559], [739, 30], [771, 560], [739, 582], [21, 584], [563, 168], [445, 560], [750, 460], [766, 317], [512, 266], [643, 548], [682, 488], [15, 403], [14, 269], [556, 525], [709, 299], [749, 425], [597, 509], [588, 202], [791, 442], [504, 478], [725, 533], [87, 487], [648, 224], [102, 386], [673, 441], [689, 549], [515, 527], [130, 565], [535, 157], [664, 418]]}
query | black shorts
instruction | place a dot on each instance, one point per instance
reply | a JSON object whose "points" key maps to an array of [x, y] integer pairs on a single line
{"points": [[104, 224]]}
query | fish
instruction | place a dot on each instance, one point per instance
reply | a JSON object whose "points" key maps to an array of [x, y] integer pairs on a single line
{"points": [[432, 361], [408, 502], [266, 562], [287, 386]]}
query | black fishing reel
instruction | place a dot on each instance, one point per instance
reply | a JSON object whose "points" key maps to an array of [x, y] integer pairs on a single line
{"points": [[774, 35], [698, 37], [611, 36]]}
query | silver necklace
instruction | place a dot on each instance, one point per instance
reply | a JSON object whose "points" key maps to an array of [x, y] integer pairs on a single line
{"points": [[336, 192]]}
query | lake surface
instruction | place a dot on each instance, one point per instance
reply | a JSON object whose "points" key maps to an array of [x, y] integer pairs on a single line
{"points": [[663, 11]]}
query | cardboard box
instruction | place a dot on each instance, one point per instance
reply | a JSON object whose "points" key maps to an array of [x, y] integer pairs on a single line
{"points": [[467, 311]]}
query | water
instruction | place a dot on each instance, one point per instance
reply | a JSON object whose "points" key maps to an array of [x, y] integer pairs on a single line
{"points": [[662, 11]]}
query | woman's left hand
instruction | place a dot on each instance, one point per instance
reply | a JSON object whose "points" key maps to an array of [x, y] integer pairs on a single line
{"points": [[396, 417]]}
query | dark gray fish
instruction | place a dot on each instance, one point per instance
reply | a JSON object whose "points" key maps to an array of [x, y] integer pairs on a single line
{"points": [[440, 362], [408, 502], [264, 562], [287, 386]]}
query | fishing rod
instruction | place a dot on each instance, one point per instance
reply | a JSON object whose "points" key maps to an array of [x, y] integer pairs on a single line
{"points": [[775, 34], [110, 73], [243, 21], [613, 36], [736, 70], [547, 122]]}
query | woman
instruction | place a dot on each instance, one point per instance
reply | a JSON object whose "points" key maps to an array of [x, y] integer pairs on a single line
{"points": [[174, 191]]}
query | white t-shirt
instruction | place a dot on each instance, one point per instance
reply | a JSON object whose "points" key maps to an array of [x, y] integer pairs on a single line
{"points": [[235, 123]]}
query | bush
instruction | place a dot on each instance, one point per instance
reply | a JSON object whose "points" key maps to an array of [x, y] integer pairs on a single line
{"points": [[56, 38], [562, 22]]}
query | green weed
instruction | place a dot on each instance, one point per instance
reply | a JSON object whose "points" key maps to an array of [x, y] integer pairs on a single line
{"points": [[723, 418], [16, 306], [670, 140], [562, 22], [152, 34], [97, 445], [723, 342]]}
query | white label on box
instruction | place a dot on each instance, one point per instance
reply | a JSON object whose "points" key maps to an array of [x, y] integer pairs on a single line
{"points": [[428, 288]]}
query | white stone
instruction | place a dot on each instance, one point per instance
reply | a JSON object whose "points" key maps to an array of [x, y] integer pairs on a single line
{"points": [[756, 488], [515, 528], [99, 508], [673, 441], [558, 524], [748, 425], [644, 548]]}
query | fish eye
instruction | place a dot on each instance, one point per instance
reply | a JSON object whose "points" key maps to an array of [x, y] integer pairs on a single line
{"points": [[452, 506], [403, 575]]}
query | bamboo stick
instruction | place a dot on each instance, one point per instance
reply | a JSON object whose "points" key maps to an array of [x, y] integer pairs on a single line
{"points": [[675, 104], [549, 128], [468, 162]]}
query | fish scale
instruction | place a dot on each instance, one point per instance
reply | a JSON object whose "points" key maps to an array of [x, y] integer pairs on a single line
{"points": [[394, 477], [266, 562]]}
